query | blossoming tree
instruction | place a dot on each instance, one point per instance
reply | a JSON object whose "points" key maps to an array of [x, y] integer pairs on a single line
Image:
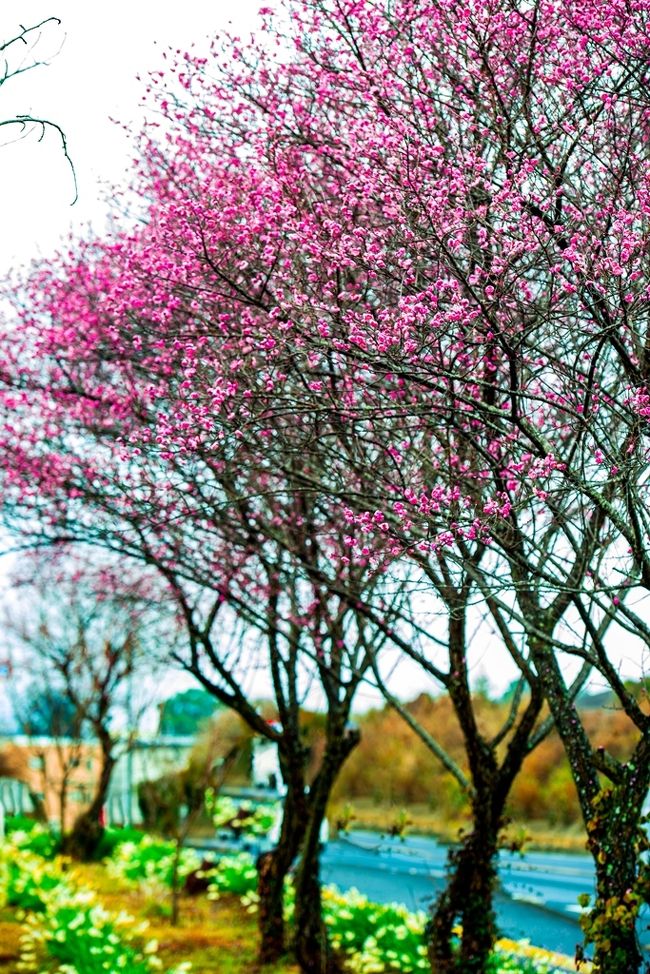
{"points": [[88, 632], [395, 262], [241, 549]]}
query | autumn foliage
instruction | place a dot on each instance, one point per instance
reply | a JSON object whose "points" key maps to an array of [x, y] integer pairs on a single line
{"points": [[392, 768]]}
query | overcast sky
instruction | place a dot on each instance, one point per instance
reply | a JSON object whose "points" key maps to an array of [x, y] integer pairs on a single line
{"points": [[90, 78]]}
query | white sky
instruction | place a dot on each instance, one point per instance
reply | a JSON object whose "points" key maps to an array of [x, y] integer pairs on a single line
{"points": [[92, 78]]}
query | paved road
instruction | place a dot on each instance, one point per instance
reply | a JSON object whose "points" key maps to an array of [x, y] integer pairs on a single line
{"points": [[531, 903], [536, 899]]}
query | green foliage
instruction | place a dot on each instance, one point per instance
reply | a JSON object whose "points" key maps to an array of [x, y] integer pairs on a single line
{"points": [[151, 858], [26, 882], [400, 824], [184, 714], [380, 936], [234, 874], [377, 937], [387, 937], [33, 836], [81, 937], [19, 823], [66, 931], [345, 819], [113, 837], [504, 963], [243, 817]]}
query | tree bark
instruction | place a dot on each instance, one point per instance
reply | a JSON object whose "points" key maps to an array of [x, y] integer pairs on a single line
{"points": [[272, 869], [611, 923], [312, 947], [87, 831], [611, 815], [63, 804], [468, 897]]}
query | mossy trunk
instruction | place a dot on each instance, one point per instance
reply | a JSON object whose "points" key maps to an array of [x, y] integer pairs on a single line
{"points": [[611, 923], [312, 947], [468, 900]]}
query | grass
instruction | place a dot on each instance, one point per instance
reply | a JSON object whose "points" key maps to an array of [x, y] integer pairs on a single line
{"points": [[10, 932], [214, 936]]}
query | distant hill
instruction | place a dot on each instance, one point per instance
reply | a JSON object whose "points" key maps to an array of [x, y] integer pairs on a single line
{"points": [[391, 766]]}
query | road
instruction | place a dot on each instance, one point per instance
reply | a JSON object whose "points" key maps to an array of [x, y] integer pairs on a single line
{"points": [[537, 899]]}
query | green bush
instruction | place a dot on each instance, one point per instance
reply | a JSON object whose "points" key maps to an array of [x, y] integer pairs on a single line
{"points": [[233, 874], [151, 858], [33, 837], [382, 937], [20, 823], [113, 837], [66, 931], [26, 881], [83, 937], [243, 816]]}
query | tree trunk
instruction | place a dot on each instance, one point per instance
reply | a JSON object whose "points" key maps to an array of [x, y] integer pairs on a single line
{"points": [[63, 804], [313, 950], [178, 848], [272, 869], [312, 947], [87, 831], [468, 896], [311, 943], [611, 816], [611, 923]]}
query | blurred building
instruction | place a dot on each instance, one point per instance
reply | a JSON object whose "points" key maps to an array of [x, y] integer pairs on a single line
{"points": [[59, 773]]}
